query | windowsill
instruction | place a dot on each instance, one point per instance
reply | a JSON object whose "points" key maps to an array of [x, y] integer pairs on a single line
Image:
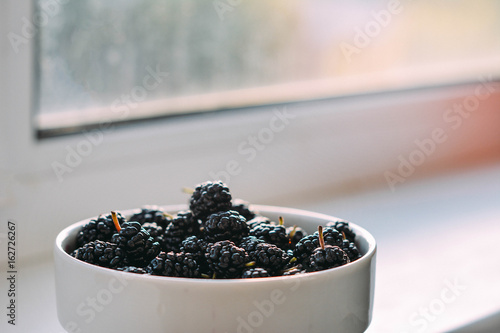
{"points": [[428, 232], [414, 78], [445, 220]]}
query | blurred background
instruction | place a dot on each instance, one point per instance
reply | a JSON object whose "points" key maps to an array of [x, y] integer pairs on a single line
{"points": [[385, 113]]}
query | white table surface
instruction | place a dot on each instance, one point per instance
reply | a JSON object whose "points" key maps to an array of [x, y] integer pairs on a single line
{"points": [[431, 234]]}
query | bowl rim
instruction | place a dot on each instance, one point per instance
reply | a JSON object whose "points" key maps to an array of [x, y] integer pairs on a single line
{"points": [[360, 232]]}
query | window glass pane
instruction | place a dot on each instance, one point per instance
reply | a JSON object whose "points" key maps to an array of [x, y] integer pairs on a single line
{"points": [[108, 56]]}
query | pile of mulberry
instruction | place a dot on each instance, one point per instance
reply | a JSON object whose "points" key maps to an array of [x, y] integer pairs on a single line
{"points": [[217, 238]]}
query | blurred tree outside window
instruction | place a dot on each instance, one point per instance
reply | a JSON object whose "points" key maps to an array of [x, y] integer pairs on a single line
{"points": [[108, 55]]}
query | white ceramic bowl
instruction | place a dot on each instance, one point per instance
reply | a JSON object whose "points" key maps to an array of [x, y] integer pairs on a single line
{"points": [[95, 299]]}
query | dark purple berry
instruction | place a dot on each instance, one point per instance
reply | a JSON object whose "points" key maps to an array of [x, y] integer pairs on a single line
{"points": [[151, 214], [249, 243], [229, 225], [100, 253], [295, 234], [133, 269], [242, 207], [138, 245], [257, 220], [175, 265], [327, 257], [157, 232], [343, 227], [332, 236], [271, 233], [305, 247], [209, 198], [351, 249], [182, 226], [226, 259], [270, 257], [194, 245], [256, 272], [102, 228]]}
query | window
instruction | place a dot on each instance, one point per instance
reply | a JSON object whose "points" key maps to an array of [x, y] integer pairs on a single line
{"points": [[122, 60]]}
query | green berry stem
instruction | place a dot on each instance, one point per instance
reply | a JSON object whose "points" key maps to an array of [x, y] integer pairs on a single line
{"points": [[321, 237], [250, 264], [292, 233], [115, 221], [168, 215], [188, 190], [281, 220]]}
